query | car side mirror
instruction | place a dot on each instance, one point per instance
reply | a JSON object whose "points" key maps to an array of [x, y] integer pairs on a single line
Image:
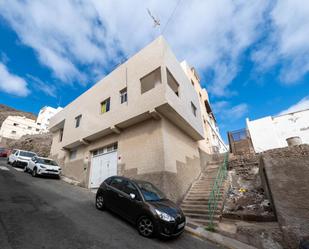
{"points": [[132, 196]]}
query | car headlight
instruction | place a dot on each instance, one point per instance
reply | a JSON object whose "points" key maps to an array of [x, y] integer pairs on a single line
{"points": [[43, 167], [164, 216]]}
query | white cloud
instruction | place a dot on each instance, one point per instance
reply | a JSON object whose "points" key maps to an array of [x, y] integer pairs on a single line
{"points": [[11, 83], [47, 88], [68, 34], [76, 39], [288, 42], [299, 106], [225, 111]]}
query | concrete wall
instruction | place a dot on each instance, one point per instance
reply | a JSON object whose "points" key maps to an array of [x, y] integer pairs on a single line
{"points": [[272, 132], [287, 174], [153, 150]]}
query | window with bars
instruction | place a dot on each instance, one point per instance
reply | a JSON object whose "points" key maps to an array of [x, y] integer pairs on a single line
{"points": [[123, 95]]}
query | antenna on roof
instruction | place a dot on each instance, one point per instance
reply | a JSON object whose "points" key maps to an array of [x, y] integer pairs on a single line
{"points": [[156, 21]]}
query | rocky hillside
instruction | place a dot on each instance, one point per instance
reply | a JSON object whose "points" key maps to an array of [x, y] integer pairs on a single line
{"points": [[6, 111], [39, 143]]}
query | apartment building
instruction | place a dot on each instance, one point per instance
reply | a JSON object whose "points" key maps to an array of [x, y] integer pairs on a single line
{"points": [[45, 114], [145, 120], [14, 127]]}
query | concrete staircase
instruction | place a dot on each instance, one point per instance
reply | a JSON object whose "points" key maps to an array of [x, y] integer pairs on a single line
{"points": [[195, 204]]}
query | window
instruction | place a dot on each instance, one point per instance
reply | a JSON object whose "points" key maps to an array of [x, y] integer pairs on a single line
{"points": [[37, 129], [29, 128], [60, 135], [173, 84], [15, 124], [129, 188], [193, 107], [105, 106], [117, 183], [106, 149], [73, 154], [38, 123], [149, 81], [13, 132], [192, 82], [77, 121], [123, 95]]}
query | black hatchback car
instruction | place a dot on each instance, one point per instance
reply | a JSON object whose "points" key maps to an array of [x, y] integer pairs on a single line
{"points": [[142, 204]]}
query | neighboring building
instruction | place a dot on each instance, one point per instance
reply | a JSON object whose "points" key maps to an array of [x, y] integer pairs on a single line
{"points": [[14, 127], [148, 119], [212, 142], [45, 115], [272, 132]]}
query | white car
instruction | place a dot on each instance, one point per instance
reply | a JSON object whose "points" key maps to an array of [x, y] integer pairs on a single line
{"points": [[43, 166], [20, 158]]}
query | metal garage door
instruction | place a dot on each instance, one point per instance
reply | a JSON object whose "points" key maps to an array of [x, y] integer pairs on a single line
{"points": [[102, 167]]}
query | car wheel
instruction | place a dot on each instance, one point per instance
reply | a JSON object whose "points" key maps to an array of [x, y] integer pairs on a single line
{"points": [[34, 173], [145, 227], [99, 202], [8, 161]]}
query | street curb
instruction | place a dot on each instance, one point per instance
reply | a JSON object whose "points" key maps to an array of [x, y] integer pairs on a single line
{"points": [[70, 181], [217, 238]]}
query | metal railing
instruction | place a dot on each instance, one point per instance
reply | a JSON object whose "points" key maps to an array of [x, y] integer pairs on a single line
{"points": [[215, 194]]}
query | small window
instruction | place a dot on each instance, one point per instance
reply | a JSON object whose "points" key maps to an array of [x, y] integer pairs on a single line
{"points": [[105, 105], [193, 107], [15, 124], [77, 121], [192, 82], [38, 123], [123, 95], [73, 154], [13, 132], [173, 84], [60, 135], [37, 129], [117, 183], [149, 81], [29, 128]]}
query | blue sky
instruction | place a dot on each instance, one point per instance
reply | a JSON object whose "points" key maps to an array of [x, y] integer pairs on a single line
{"points": [[252, 56]]}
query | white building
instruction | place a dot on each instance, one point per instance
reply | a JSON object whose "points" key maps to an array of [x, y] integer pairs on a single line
{"points": [[45, 115], [14, 127], [272, 132]]}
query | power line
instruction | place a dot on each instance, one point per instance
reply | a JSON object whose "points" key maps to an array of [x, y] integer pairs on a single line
{"points": [[171, 16]]}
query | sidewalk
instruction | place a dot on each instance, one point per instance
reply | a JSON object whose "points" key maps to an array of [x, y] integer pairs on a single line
{"points": [[227, 242]]}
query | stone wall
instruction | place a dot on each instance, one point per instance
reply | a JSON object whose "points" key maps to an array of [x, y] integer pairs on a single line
{"points": [[287, 175]]}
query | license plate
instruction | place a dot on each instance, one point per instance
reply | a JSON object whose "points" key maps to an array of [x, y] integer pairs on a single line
{"points": [[181, 225]]}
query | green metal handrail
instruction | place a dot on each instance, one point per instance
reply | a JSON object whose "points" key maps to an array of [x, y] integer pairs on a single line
{"points": [[215, 194]]}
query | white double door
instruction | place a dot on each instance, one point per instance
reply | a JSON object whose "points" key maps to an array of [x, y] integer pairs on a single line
{"points": [[102, 167]]}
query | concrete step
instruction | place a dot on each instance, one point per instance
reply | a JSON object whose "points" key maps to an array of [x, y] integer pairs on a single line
{"points": [[201, 216], [198, 211], [191, 203], [203, 221]]}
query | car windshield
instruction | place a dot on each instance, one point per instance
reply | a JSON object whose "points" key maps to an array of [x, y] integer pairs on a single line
{"points": [[27, 154], [150, 192], [46, 161]]}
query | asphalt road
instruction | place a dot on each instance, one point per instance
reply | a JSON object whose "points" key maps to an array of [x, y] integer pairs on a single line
{"points": [[42, 213]]}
